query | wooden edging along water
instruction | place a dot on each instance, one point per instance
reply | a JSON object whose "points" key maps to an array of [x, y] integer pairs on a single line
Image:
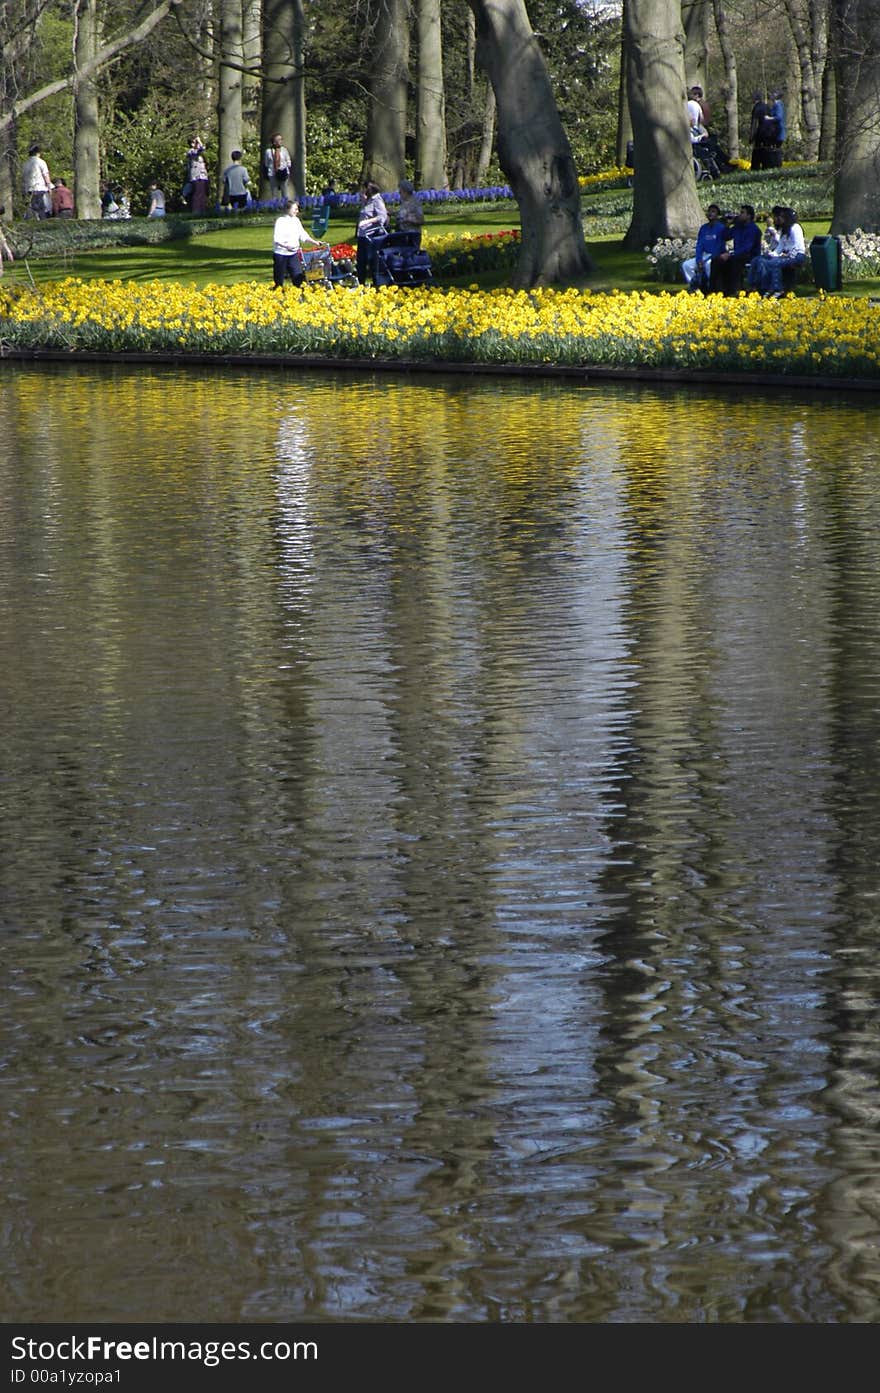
{"points": [[682, 377]]}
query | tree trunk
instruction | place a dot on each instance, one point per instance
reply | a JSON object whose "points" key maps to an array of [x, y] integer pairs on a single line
{"points": [[695, 20], [665, 202], [385, 144], [809, 103], [857, 178], [533, 149], [229, 85], [730, 86], [488, 139], [86, 131], [277, 104], [298, 98], [829, 108], [624, 123], [431, 131]]}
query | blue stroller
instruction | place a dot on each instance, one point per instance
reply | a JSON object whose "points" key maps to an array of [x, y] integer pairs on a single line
{"points": [[399, 260]]}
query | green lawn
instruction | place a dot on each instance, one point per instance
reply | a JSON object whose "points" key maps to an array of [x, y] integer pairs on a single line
{"points": [[242, 250]]}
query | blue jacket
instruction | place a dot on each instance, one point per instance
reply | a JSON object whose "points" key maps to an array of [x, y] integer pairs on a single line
{"points": [[746, 239], [710, 239]]}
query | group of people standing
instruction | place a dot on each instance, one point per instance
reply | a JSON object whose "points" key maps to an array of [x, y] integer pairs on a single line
{"points": [[44, 197], [716, 268]]}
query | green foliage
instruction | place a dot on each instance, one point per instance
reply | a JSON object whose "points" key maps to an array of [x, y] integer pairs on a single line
{"points": [[334, 152]]}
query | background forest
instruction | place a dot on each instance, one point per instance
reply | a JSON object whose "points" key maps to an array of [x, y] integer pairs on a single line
{"points": [[360, 87]]}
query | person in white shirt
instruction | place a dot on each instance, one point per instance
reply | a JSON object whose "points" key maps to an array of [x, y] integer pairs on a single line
{"points": [[37, 184], [788, 250], [288, 239]]}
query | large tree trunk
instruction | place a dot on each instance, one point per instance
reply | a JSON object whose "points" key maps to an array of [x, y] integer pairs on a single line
{"points": [[805, 42], [695, 20], [730, 86], [86, 131], [665, 202], [488, 139], [827, 139], [624, 124], [385, 144], [298, 148], [229, 85], [431, 129], [533, 149], [857, 179], [277, 105]]}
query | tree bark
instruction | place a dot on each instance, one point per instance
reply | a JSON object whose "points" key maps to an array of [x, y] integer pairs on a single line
{"points": [[857, 176], [665, 202], [86, 132], [624, 122], [277, 105], [385, 144], [533, 149], [229, 85], [431, 128], [804, 42], [730, 86], [695, 21], [488, 139]]}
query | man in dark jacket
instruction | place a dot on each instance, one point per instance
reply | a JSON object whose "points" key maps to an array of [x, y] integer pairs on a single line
{"points": [[728, 265]]}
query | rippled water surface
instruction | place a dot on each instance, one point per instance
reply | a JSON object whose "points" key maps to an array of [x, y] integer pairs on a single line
{"points": [[438, 863]]}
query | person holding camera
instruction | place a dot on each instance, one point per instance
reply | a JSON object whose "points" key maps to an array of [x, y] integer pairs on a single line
{"points": [[728, 266], [711, 238]]}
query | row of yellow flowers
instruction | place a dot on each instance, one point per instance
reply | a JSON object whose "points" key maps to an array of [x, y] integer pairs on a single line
{"points": [[822, 336]]}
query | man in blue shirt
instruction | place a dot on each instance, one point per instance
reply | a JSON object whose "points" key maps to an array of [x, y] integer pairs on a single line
{"points": [[728, 265], [710, 241]]}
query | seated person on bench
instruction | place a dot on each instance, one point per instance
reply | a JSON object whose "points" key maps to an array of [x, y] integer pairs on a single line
{"points": [[729, 265]]}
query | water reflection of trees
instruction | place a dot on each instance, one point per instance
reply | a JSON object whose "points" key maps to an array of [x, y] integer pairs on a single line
{"points": [[450, 932]]}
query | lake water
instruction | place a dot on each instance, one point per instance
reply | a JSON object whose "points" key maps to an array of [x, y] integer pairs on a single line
{"points": [[438, 864]]}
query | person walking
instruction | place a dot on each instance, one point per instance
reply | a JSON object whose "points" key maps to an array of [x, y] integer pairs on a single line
{"points": [[372, 223], [37, 184], [236, 183], [276, 166], [288, 239]]}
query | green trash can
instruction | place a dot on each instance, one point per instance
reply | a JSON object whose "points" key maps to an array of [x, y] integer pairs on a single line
{"points": [[825, 256]]}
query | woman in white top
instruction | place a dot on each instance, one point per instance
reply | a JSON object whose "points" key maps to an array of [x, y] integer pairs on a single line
{"points": [[288, 239]]}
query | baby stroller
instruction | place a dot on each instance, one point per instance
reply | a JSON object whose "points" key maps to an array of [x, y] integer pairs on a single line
{"points": [[399, 260], [322, 270]]}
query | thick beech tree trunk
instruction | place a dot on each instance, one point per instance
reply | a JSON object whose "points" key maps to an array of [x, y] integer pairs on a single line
{"points": [[857, 178], [533, 149], [431, 129], [695, 20], [277, 106], [229, 85], [665, 202], [385, 144], [86, 131]]}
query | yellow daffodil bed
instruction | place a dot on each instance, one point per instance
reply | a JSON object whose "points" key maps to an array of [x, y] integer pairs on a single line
{"points": [[822, 336]]}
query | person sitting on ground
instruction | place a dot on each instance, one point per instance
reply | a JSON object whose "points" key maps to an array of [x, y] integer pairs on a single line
{"points": [[372, 223], [236, 183], [789, 251], [156, 207], [288, 239], [410, 214], [729, 265], [62, 200], [711, 237]]}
